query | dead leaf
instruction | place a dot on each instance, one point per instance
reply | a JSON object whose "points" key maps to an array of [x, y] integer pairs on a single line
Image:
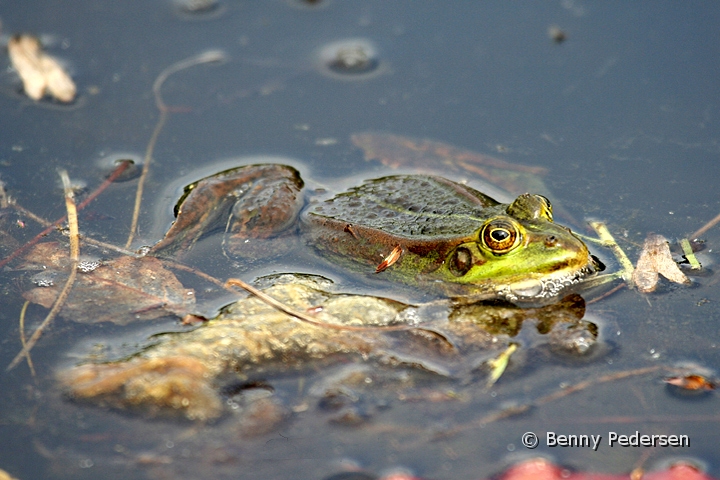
{"points": [[120, 291], [39, 72], [655, 258], [263, 199], [691, 382], [6, 476]]}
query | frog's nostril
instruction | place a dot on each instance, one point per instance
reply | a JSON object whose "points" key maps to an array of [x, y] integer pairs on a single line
{"points": [[597, 264], [551, 241]]}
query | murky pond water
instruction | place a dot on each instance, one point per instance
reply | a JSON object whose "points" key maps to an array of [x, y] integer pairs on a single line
{"points": [[623, 114]]}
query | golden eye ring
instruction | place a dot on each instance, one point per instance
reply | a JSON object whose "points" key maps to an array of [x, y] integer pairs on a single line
{"points": [[500, 236]]}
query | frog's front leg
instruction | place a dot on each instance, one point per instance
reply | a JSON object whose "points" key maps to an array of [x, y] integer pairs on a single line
{"points": [[252, 203]]}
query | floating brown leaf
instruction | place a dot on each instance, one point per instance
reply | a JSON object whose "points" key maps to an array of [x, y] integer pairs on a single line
{"points": [[655, 258], [206, 205], [39, 72], [120, 291], [691, 382]]}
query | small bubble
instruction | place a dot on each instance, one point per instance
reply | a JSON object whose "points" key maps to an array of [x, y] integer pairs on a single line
{"points": [[197, 9], [557, 34], [308, 4], [77, 186], [87, 265], [196, 6], [351, 59], [110, 162], [44, 279]]}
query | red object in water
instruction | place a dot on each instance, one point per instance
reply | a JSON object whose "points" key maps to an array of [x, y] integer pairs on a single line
{"points": [[541, 469]]}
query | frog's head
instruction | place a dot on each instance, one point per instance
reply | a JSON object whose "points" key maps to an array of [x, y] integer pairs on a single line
{"points": [[522, 253]]}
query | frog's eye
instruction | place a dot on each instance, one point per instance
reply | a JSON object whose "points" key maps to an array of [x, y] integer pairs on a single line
{"points": [[531, 207], [546, 210], [500, 236], [460, 262]]}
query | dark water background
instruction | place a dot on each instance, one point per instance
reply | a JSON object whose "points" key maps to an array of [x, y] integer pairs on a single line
{"points": [[624, 114]]}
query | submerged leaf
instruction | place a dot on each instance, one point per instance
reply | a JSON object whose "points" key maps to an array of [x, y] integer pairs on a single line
{"points": [[249, 336], [397, 151], [161, 385], [40, 73], [120, 291], [656, 259]]}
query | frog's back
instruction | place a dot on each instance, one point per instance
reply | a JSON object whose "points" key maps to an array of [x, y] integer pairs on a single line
{"points": [[424, 217], [413, 207]]}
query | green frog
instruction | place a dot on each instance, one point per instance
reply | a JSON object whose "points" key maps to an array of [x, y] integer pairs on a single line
{"points": [[419, 230]]}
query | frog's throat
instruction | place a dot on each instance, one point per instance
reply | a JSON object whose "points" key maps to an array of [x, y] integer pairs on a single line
{"points": [[544, 288]]}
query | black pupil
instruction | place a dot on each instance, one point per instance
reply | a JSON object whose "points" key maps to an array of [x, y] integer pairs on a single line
{"points": [[499, 235]]}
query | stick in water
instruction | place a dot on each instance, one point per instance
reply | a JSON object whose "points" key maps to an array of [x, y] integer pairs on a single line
{"points": [[207, 57], [74, 255]]}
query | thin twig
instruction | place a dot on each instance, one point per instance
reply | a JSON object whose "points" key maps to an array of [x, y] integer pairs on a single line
{"points": [[50, 226], [706, 227], [22, 336], [607, 294], [236, 282], [4, 199], [74, 256], [610, 377], [88, 240], [264, 297], [518, 409], [207, 57]]}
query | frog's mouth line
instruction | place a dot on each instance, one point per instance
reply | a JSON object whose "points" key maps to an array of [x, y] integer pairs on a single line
{"points": [[550, 288]]}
